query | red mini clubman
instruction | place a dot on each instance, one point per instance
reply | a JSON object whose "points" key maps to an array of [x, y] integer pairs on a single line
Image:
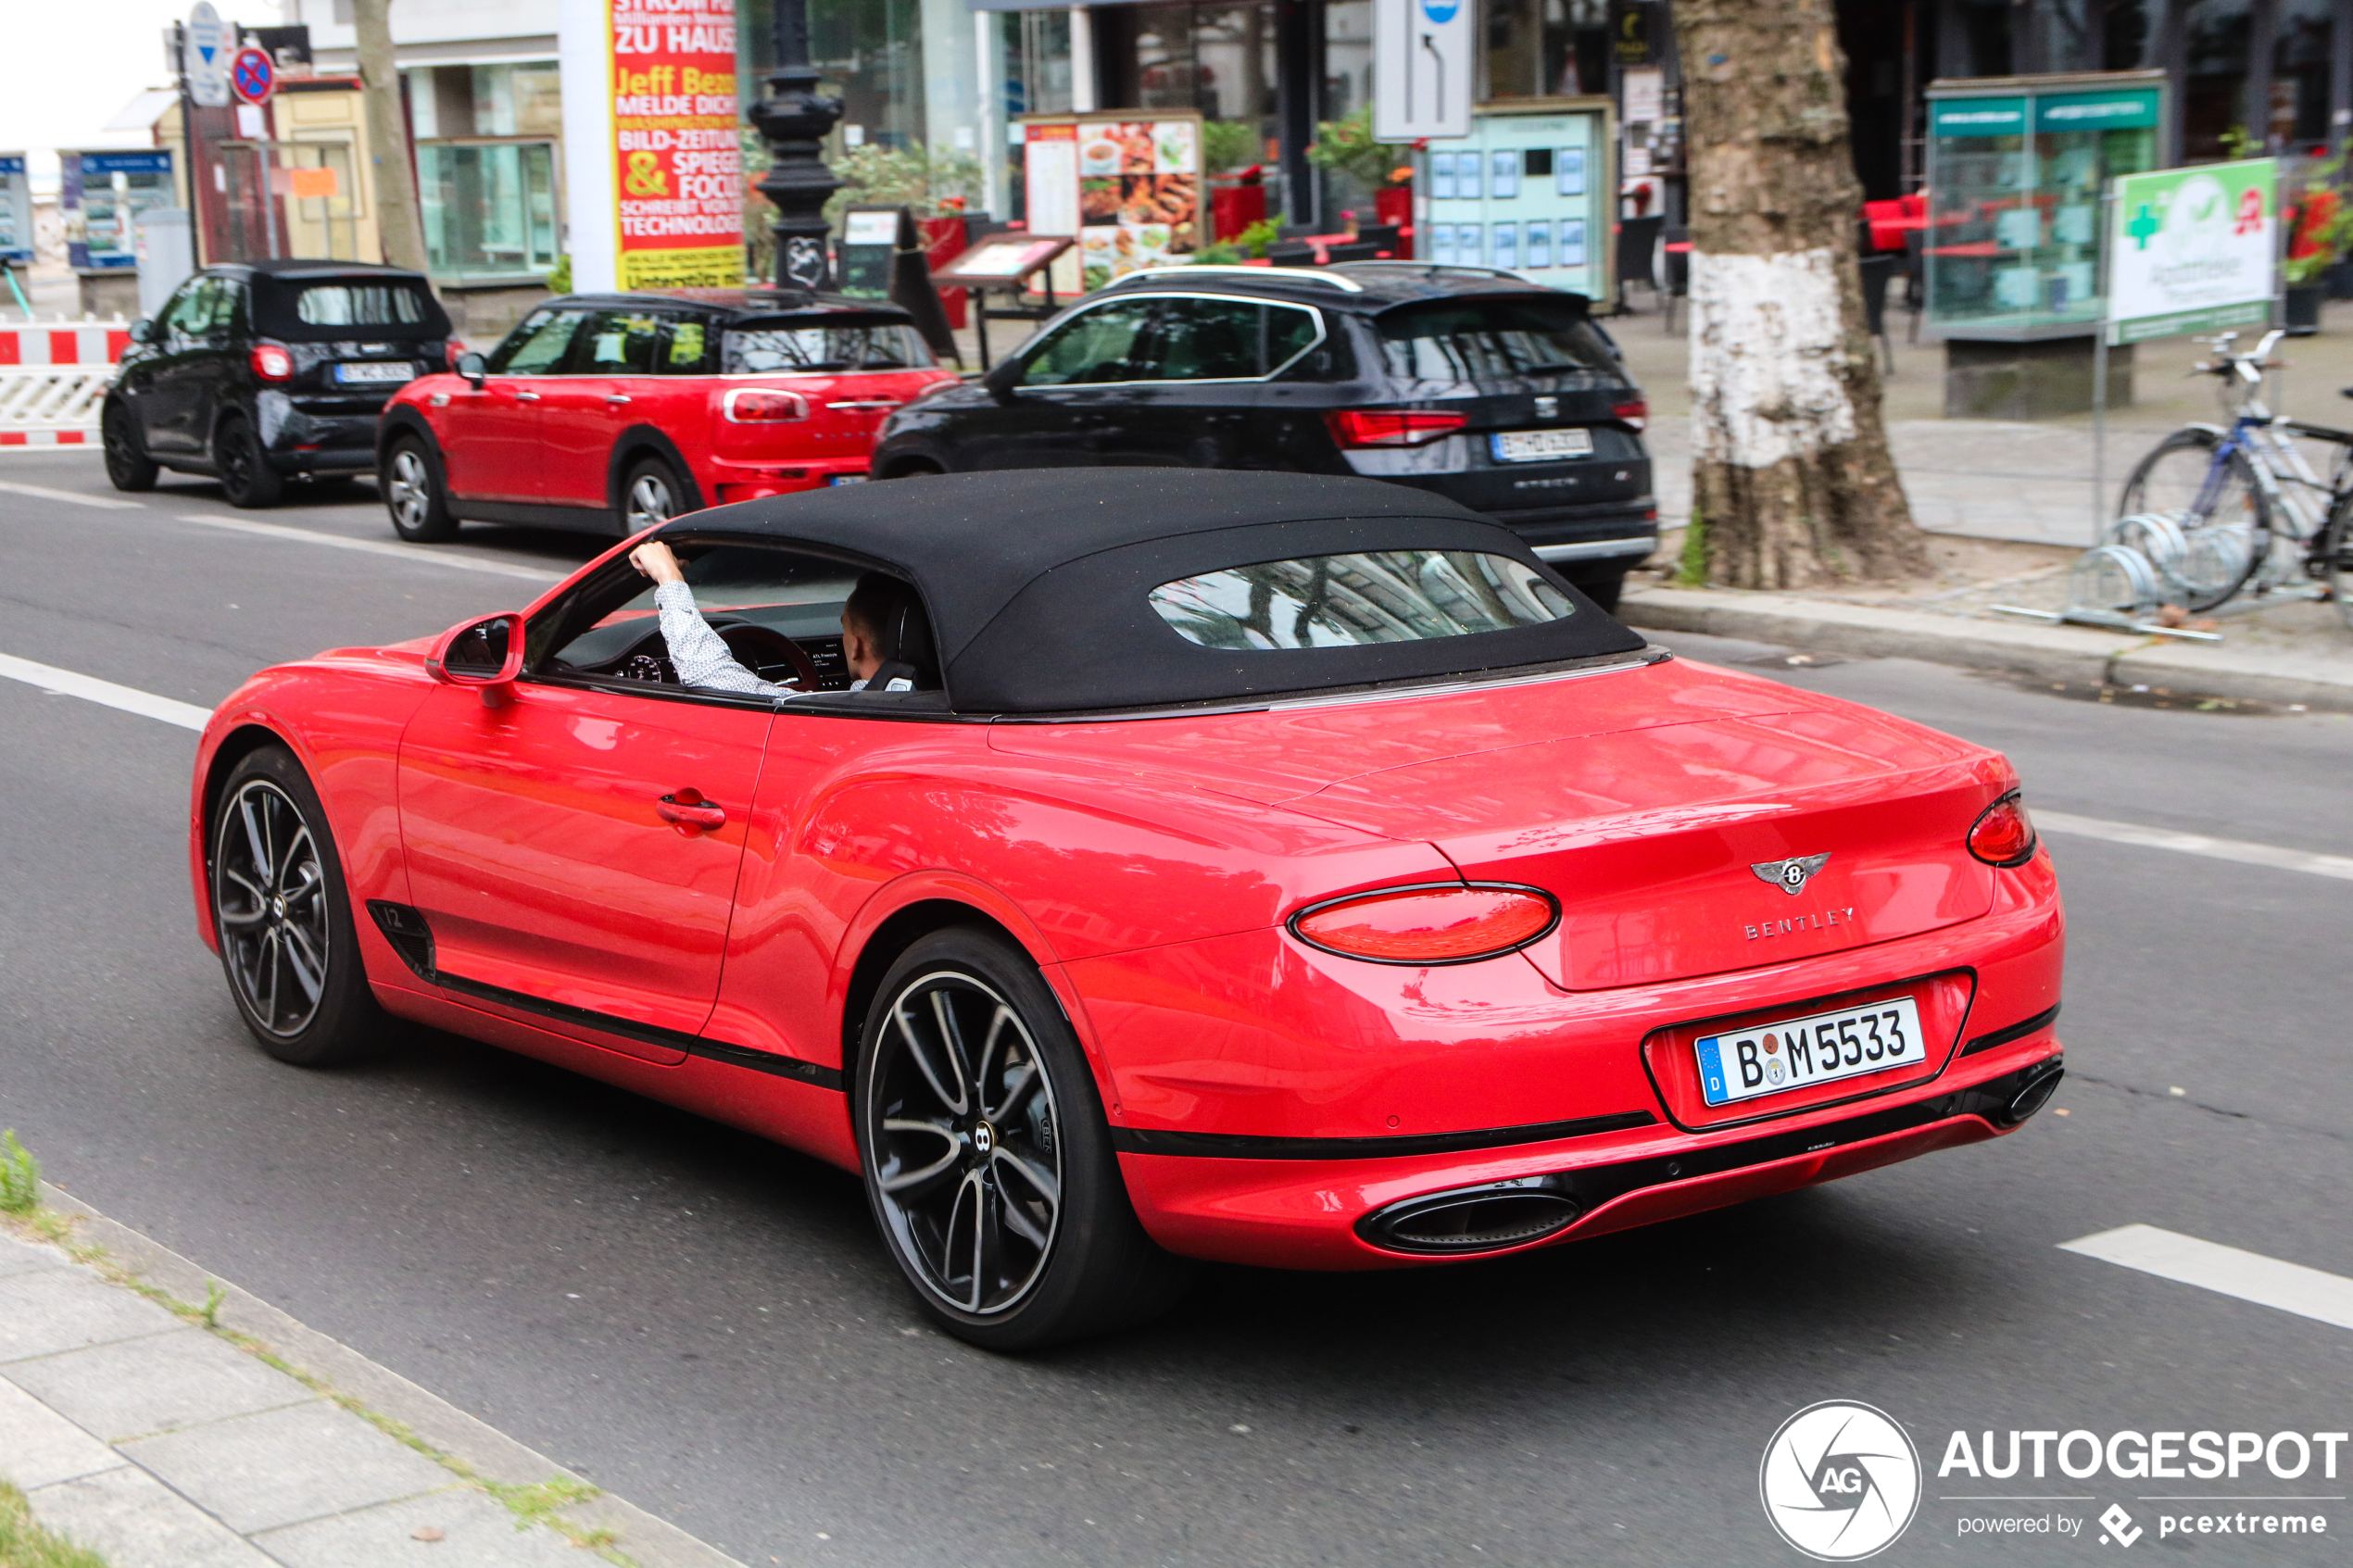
{"points": [[610, 413]]}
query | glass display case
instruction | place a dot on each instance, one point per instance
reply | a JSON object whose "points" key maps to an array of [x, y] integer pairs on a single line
{"points": [[2015, 170], [1529, 190]]}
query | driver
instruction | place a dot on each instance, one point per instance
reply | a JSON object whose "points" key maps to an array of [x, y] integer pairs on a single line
{"points": [[702, 659]]}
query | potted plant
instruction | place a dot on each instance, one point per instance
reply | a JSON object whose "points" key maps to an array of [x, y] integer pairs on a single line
{"points": [[2319, 225]]}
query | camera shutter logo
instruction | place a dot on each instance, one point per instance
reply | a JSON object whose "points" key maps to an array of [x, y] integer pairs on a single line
{"points": [[1841, 1480]]}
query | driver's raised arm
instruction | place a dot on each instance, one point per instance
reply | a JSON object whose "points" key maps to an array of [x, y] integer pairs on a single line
{"points": [[697, 652]]}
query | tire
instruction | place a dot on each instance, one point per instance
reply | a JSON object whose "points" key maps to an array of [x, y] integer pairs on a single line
{"points": [[2334, 561], [411, 482], [128, 465], [2228, 532], [289, 947], [915, 468], [1603, 591], [1008, 1218], [650, 493], [247, 477]]}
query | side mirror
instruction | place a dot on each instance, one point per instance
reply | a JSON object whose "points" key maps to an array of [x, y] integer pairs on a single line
{"points": [[470, 366], [485, 655], [1002, 377], [142, 331]]}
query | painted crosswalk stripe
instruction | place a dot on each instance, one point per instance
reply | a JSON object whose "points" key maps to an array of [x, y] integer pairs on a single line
{"points": [[43, 492], [413, 554], [2250, 1276], [131, 699], [2237, 849]]}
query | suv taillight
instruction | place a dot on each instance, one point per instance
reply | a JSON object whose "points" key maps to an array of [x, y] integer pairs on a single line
{"points": [[1637, 413], [271, 362], [760, 406], [1382, 427]]}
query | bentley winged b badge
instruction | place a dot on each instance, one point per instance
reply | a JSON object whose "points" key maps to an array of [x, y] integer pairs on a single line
{"points": [[1790, 875]]}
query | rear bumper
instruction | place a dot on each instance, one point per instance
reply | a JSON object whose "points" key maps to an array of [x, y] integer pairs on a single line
{"points": [[1327, 1214], [1613, 536]]}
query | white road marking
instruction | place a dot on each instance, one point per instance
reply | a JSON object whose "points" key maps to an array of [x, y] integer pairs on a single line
{"points": [[2226, 1270], [131, 699], [43, 492], [413, 554], [2196, 844]]}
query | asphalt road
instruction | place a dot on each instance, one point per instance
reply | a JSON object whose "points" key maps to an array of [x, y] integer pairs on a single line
{"points": [[709, 1326]]}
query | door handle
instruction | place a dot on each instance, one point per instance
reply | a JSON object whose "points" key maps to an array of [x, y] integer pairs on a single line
{"points": [[690, 814], [616, 397], [526, 397], [861, 404]]}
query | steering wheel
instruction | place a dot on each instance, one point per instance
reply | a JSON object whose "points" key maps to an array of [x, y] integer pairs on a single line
{"points": [[757, 646]]}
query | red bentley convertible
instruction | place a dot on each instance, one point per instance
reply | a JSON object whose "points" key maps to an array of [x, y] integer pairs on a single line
{"points": [[1272, 868]]}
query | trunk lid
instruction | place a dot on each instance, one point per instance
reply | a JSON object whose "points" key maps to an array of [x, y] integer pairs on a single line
{"points": [[1649, 836]]}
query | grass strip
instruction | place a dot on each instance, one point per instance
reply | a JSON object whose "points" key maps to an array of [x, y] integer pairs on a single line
{"points": [[24, 1544]]}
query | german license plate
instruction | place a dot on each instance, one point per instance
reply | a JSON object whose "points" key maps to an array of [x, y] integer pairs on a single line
{"points": [[848, 478], [1540, 445], [1817, 1048], [378, 373]]}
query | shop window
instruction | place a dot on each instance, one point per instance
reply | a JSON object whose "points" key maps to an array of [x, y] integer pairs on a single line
{"points": [[2300, 74], [2215, 47], [489, 208], [456, 102], [872, 53]]}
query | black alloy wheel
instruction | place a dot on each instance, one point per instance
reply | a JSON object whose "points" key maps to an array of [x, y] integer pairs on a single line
{"points": [[650, 494], [247, 477], [986, 1157], [411, 485], [128, 465], [283, 919]]}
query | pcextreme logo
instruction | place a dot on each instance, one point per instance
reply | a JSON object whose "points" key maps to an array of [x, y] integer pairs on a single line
{"points": [[1841, 1480]]}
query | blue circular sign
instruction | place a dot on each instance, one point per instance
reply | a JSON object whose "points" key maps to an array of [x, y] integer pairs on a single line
{"points": [[253, 75], [1440, 12]]}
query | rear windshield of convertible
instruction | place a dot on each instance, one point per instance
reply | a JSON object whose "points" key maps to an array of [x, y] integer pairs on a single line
{"points": [[1358, 598]]}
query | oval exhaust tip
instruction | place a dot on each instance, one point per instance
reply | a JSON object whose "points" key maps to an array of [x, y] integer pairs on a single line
{"points": [[1479, 1220], [2032, 1098]]}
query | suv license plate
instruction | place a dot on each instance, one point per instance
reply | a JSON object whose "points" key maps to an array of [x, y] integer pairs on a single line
{"points": [[1540, 445], [1817, 1048], [347, 374]]}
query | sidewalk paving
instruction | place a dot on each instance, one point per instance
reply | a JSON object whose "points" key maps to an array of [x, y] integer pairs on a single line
{"points": [[237, 1438]]}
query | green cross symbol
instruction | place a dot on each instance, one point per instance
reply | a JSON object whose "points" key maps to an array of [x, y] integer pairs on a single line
{"points": [[2142, 227]]}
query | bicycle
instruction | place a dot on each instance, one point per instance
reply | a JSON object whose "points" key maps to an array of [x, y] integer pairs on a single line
{"points": [[2214, 509]]}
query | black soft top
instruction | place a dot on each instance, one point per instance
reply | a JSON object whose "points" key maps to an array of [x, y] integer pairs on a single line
{"points": [[1037, 580]]}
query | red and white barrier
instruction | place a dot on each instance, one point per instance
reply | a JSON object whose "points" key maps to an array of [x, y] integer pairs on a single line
{"points": [[53, 379]]}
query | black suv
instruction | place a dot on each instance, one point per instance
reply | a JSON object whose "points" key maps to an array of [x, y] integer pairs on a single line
{"points": [[1493, 391], [269, 370]]}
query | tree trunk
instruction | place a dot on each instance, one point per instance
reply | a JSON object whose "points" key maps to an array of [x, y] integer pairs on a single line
{"points": [[1791, 483], [397, 224]]}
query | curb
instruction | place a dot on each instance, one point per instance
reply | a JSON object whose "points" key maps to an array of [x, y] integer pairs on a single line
{"points": [[648, 1540], [2073, 654]]}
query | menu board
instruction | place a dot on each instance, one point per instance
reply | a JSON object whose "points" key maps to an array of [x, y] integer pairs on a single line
{"points": [[1129, 187], [1527, 191]]}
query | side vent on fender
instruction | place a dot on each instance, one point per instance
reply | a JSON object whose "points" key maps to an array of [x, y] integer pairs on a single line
{"points": [[410, 937]]}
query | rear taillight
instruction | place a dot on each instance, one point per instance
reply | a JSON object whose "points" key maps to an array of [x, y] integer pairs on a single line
{"points": [[1451, 924], [1383, 427], [762, 406], [271, 362], [1636, 413], [2003, 834]]}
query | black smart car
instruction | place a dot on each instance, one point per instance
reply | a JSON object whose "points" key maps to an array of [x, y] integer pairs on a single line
{"points": [[1489, 390], [263, 372]]}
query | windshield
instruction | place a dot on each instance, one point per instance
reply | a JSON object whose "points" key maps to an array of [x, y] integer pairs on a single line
{"points": [[1455, 342], [1350, 600], [787, 350]]}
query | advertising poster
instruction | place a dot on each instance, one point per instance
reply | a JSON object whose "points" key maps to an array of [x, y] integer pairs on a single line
{"points": [[2193, 249], [1130, 189], [15, 211], [101, 195], [677, 162]]}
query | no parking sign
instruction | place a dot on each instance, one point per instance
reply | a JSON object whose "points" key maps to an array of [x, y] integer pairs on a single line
{"points": [[253, 74]]}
